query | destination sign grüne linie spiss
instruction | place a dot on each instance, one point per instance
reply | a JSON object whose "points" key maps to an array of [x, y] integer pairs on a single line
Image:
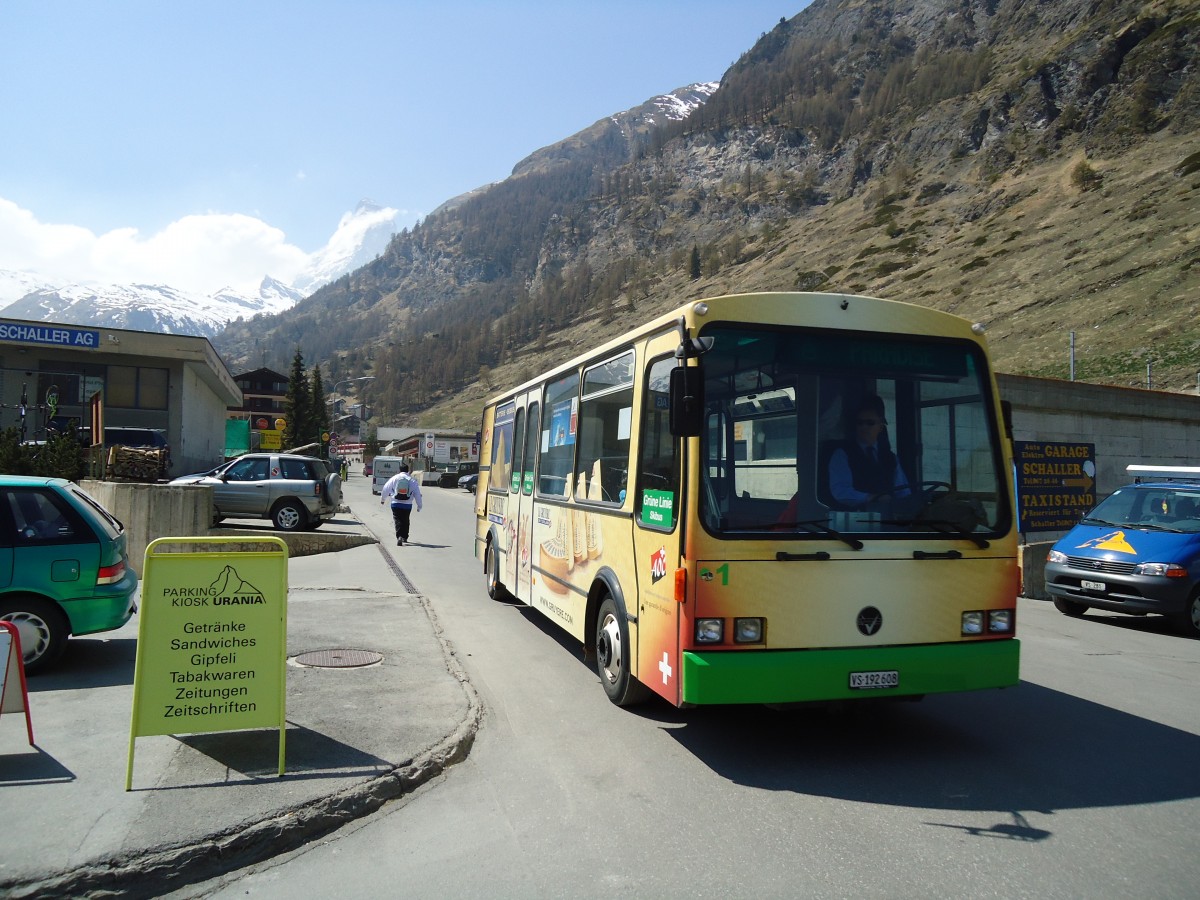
{"points": [[212, 640], [1056, 483]]}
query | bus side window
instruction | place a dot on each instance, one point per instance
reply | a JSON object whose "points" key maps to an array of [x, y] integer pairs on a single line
{"points": [[658, 465], [605, 427], [556, 451]]}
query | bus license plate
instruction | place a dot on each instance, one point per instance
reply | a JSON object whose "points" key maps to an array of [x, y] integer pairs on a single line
{"points": [[1093, 585], [865, 681]]}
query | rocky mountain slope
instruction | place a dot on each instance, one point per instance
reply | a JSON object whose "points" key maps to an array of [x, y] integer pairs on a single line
{"points": [[1035, 167]]}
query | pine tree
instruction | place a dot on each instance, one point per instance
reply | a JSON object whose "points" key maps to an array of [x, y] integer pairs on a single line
{"points": [[318, 410], [694, 268], [296, 405]]}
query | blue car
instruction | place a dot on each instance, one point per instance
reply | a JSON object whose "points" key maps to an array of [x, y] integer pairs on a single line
{"points": [[1137, 552]]}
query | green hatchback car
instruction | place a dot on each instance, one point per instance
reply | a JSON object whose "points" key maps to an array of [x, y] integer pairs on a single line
{"points": [[64, 568]]}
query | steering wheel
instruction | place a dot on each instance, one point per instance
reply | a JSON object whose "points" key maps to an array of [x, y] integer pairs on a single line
{"points": [[928, 489], [925, 490]]}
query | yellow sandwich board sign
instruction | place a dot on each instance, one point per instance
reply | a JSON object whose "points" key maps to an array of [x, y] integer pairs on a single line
{"points": [[212, 639]]}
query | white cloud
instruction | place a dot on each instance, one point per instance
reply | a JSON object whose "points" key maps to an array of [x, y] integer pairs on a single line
{"points": [[201, 253]]}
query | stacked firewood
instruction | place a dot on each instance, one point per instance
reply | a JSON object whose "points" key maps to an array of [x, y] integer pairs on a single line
{"points": [[134, 464]]}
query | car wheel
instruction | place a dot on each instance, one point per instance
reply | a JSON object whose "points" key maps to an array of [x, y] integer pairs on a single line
{"points": [[612, 656], [491, 574], [43, 629], [289, 516], [1190, 620], [1069, 607]]}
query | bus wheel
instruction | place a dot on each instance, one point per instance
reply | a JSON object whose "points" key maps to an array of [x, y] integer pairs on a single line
{"points": [[612, 656], [1069, 607], [491, 574]]}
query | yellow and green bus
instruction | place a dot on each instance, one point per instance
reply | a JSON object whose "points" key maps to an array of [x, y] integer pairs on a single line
{"points": [[764, 498]]}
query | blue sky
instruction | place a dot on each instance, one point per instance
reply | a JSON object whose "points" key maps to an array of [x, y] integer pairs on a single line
{"points": [[136, 129]]}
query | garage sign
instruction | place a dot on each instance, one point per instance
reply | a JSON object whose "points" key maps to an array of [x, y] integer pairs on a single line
{"points": [[1056, 483], [212, 639]]}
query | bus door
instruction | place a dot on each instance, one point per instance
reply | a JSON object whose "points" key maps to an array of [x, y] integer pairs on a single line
{"points": [[521, 496], [657, 531]]}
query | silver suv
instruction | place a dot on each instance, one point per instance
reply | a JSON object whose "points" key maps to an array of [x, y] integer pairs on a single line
{"points": [[295, 492]]}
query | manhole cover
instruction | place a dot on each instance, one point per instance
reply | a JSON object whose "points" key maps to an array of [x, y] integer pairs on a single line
{"points": [[339, 659]]}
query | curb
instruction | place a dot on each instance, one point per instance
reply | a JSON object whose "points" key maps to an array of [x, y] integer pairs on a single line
{"points": [[159, 870]]}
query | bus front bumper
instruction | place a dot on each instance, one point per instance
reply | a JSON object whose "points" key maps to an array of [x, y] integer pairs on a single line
{"points": [[797, 676]]}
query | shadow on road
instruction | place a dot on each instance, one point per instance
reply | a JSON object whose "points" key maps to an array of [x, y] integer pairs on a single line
{"points": [[1027, 748], [89, 662]]}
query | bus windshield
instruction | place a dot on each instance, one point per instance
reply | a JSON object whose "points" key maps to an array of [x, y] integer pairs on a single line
{"points": [[820, 434]]}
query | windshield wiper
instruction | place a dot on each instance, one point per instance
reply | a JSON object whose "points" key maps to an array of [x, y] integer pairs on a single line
{"points": [[944, 526], [1150, 526], [819, 526], [1092, 520]]}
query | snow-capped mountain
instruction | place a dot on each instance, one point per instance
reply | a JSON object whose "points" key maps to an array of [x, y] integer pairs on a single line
{"points": [[14, 285], [150, 307], [609, 141], [360, 236]]}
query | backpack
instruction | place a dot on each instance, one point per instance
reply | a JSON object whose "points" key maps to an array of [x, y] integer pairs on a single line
{"points": [[402, 487]]}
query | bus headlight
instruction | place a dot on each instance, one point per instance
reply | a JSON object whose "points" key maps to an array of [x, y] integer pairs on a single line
{"points": [[1000, 621], [972, 622], [748, 631], [710, 631]]}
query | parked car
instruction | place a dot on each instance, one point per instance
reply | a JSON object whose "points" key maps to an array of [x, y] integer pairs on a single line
{"points": [[1137, 552], [453, 473], [469, 482], [368, 470], [295, 492], [64, 566]]}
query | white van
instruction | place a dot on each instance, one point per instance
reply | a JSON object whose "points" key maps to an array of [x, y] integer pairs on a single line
{"points": [[385, 468]]}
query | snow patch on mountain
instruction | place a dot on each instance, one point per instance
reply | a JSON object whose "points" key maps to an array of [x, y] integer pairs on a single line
{"points": [[679, 104]]}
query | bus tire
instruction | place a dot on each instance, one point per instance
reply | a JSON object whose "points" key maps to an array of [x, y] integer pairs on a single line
{"points": [[491, 574], [612, 656]]}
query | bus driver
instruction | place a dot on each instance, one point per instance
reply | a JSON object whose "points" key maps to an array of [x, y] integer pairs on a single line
{"points": [[864, 469]]}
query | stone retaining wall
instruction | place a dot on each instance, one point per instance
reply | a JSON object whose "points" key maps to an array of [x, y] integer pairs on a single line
{"points": [[151, 511]]}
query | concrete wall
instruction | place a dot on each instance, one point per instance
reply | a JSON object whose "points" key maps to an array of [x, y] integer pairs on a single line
{"points": [[151, 511], [202, 425], [1127, 425]]}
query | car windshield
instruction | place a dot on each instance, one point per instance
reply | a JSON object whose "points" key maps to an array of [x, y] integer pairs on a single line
{"points": [[818, 434], [1154, 507]]}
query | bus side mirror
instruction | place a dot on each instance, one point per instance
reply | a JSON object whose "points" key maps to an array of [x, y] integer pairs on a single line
{"points": [[687, 401]]}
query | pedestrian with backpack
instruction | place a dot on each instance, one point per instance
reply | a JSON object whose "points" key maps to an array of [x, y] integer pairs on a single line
{"points": [[403, 490]]}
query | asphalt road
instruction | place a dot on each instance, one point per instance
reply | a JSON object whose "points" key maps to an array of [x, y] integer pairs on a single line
{"points": [[1080, 782]]}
